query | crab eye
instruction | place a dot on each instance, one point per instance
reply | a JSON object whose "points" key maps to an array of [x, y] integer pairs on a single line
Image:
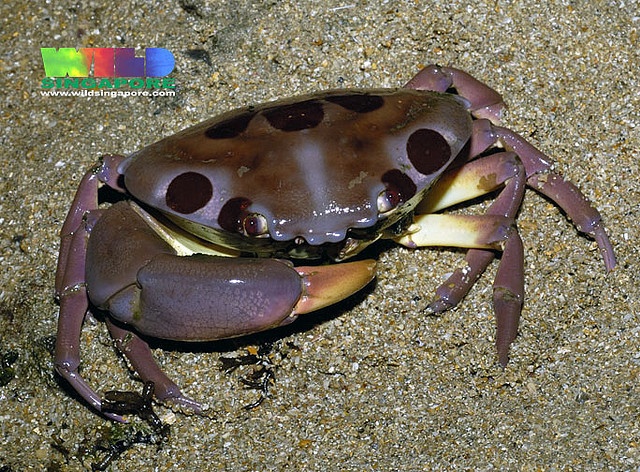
{"points": [[255, 225], [399, 189], [388, 199]]}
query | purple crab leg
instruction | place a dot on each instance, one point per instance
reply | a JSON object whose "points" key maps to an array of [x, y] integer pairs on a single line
{"points": [[564, 193], [85, 200], [542, 178], [487, 105], [72, 295], [143, 362], [71, 290], [484, 102], [508, 287]]}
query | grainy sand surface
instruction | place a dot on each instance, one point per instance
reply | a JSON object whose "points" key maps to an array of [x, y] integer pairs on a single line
{"points": [[374, 384]]}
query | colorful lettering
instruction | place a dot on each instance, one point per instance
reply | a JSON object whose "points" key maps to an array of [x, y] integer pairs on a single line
{"points": [[106, 62]]}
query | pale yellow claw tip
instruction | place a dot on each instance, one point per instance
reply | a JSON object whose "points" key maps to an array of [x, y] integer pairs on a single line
{"points": [[326, 285]]}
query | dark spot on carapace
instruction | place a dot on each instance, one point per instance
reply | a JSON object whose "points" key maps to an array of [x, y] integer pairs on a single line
{"points": [[232, 214], [400, 187], [295, 117], [428, 151], [360, 103], [229, 128], [189, 192]]}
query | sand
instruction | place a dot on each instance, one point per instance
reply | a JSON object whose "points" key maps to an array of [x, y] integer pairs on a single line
{"points": [[373, 384]]}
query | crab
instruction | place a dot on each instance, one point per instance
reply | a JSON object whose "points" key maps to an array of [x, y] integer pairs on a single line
{"points": [[216, 222]]}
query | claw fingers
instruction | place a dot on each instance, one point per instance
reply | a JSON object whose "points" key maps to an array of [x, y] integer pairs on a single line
{"points": [[326, 285]]}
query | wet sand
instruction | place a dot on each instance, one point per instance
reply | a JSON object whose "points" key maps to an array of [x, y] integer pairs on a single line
{"points": [[372, 384]]}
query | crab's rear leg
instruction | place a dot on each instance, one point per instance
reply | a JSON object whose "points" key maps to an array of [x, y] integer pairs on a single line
{"points": [[542, 178], [484, 102], [72, 297]]}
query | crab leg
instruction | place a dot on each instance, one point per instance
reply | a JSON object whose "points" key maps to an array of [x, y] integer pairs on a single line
{"points": [[71, 290], [564, 193], [541, 177], [487, 104], [141, 358], [72, 295], [494, 230], [484, 102], [458, 185]]}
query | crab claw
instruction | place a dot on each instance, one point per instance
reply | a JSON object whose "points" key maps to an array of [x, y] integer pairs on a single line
{"points": [[218, 297], [326, 285]]}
